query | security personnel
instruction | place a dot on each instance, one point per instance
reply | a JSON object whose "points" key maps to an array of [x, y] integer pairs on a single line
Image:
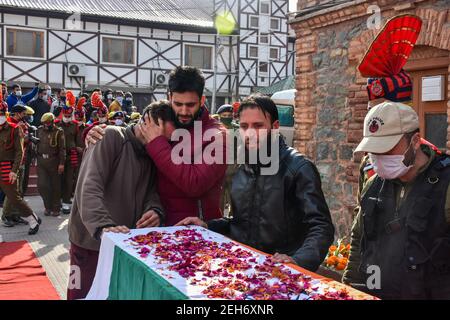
{"points": [[118, 118], [11, 152], [403, 223], [71, 130], [51, 157]]}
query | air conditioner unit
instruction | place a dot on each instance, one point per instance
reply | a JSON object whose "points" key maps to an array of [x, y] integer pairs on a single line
{"points": [[76, 70], [161, 79]]}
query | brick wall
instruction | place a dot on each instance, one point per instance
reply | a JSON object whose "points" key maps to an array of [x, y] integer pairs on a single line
{"points": [[331, 102]]}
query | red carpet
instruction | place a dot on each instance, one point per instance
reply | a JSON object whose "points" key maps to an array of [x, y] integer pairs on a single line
{"points": [[21, 274]]}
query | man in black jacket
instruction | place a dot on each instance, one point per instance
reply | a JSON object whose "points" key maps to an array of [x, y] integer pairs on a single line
{"points": [[40, 106], [283, 213]]}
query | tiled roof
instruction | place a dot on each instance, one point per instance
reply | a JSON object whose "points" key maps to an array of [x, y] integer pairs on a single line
{"points": [[196, 13]]}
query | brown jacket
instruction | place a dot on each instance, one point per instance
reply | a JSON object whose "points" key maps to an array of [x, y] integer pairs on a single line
{"points": [[116, 185], [11, 149]]}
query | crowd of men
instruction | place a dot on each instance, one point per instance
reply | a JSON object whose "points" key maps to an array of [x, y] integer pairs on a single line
{"points": [[47, 129], [126, 177]]}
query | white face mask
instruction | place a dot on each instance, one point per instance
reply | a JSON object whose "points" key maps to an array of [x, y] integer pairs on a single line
{"points": [[49, 92], [119, 99], [44, 97], [2, 120], [102, 119], [119, 122], [389, 166], [18, 93], [109, 96], [67, 120]]}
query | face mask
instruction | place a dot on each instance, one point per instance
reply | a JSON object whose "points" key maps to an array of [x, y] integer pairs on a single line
{"points": [[102, 119], [45, 97], [390, 166], [2, 120], [129, 99], [119, 99], [109, 96], [18, 93], [226, 121], [119, 122], [67, 120], [49, 92]]}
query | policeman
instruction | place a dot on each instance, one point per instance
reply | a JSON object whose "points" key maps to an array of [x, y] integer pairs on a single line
{"points": [[11, 152], [51, 156], [118, 118], [71, 130]]}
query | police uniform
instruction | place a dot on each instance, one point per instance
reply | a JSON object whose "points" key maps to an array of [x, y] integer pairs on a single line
{"points": [[71, 131], [11, 153], [51, 153]]}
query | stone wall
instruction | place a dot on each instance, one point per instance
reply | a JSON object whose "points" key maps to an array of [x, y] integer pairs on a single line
{"points": [[331, 100]]}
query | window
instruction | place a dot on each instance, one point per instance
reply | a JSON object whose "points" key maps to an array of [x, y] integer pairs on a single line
{"points": [[263, 67], [253, 52], [25, 43], [116, 50], [274, 24], [264, 38], [273, 53], [254, 22], [198, 56], [265, 7]]}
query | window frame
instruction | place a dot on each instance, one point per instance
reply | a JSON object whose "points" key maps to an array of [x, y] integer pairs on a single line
{"points": [[279, 24], [268, 4], [249, 51], [261, 35], [43, 45], [278, 53], [118, 38], [250, 22], [263, 73], [199, 45]]}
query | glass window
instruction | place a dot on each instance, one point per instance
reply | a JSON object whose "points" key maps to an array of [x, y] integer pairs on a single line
{"points": [[274, 53], [25, 43], [254, 22], [274, 24], [264, 38], [198, 56], [118, 50], [254, 52], [436, 129], [265, 8], [286, 115], [263, 67]]}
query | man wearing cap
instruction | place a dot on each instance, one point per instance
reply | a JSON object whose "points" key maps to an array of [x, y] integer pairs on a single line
{"points": [[11, 152], [70, 128], [402, 230], [51, 157], [118, 119]]}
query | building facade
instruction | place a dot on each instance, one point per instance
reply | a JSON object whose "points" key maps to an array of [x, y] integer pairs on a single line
{"points": [[331, 103], [133, 45]]}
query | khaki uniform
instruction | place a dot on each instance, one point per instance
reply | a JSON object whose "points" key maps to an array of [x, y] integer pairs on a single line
{"points": [[11, 153], [51, 152], [71, 132]]}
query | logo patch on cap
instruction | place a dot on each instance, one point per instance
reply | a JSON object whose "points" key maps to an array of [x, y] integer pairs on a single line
{"points": [[377, 89], [375, 124]]}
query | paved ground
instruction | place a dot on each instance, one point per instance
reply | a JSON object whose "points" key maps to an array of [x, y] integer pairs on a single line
{"points": [[51, 244]]}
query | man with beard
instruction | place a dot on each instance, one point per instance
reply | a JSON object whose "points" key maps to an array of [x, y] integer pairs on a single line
{"points": [[282, 213], [186, 189]]}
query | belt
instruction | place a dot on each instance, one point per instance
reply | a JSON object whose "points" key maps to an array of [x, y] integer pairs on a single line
{"points": [[47, 155]]}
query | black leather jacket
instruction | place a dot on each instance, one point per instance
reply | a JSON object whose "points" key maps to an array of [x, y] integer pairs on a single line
{"points": [[285, 213]]}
